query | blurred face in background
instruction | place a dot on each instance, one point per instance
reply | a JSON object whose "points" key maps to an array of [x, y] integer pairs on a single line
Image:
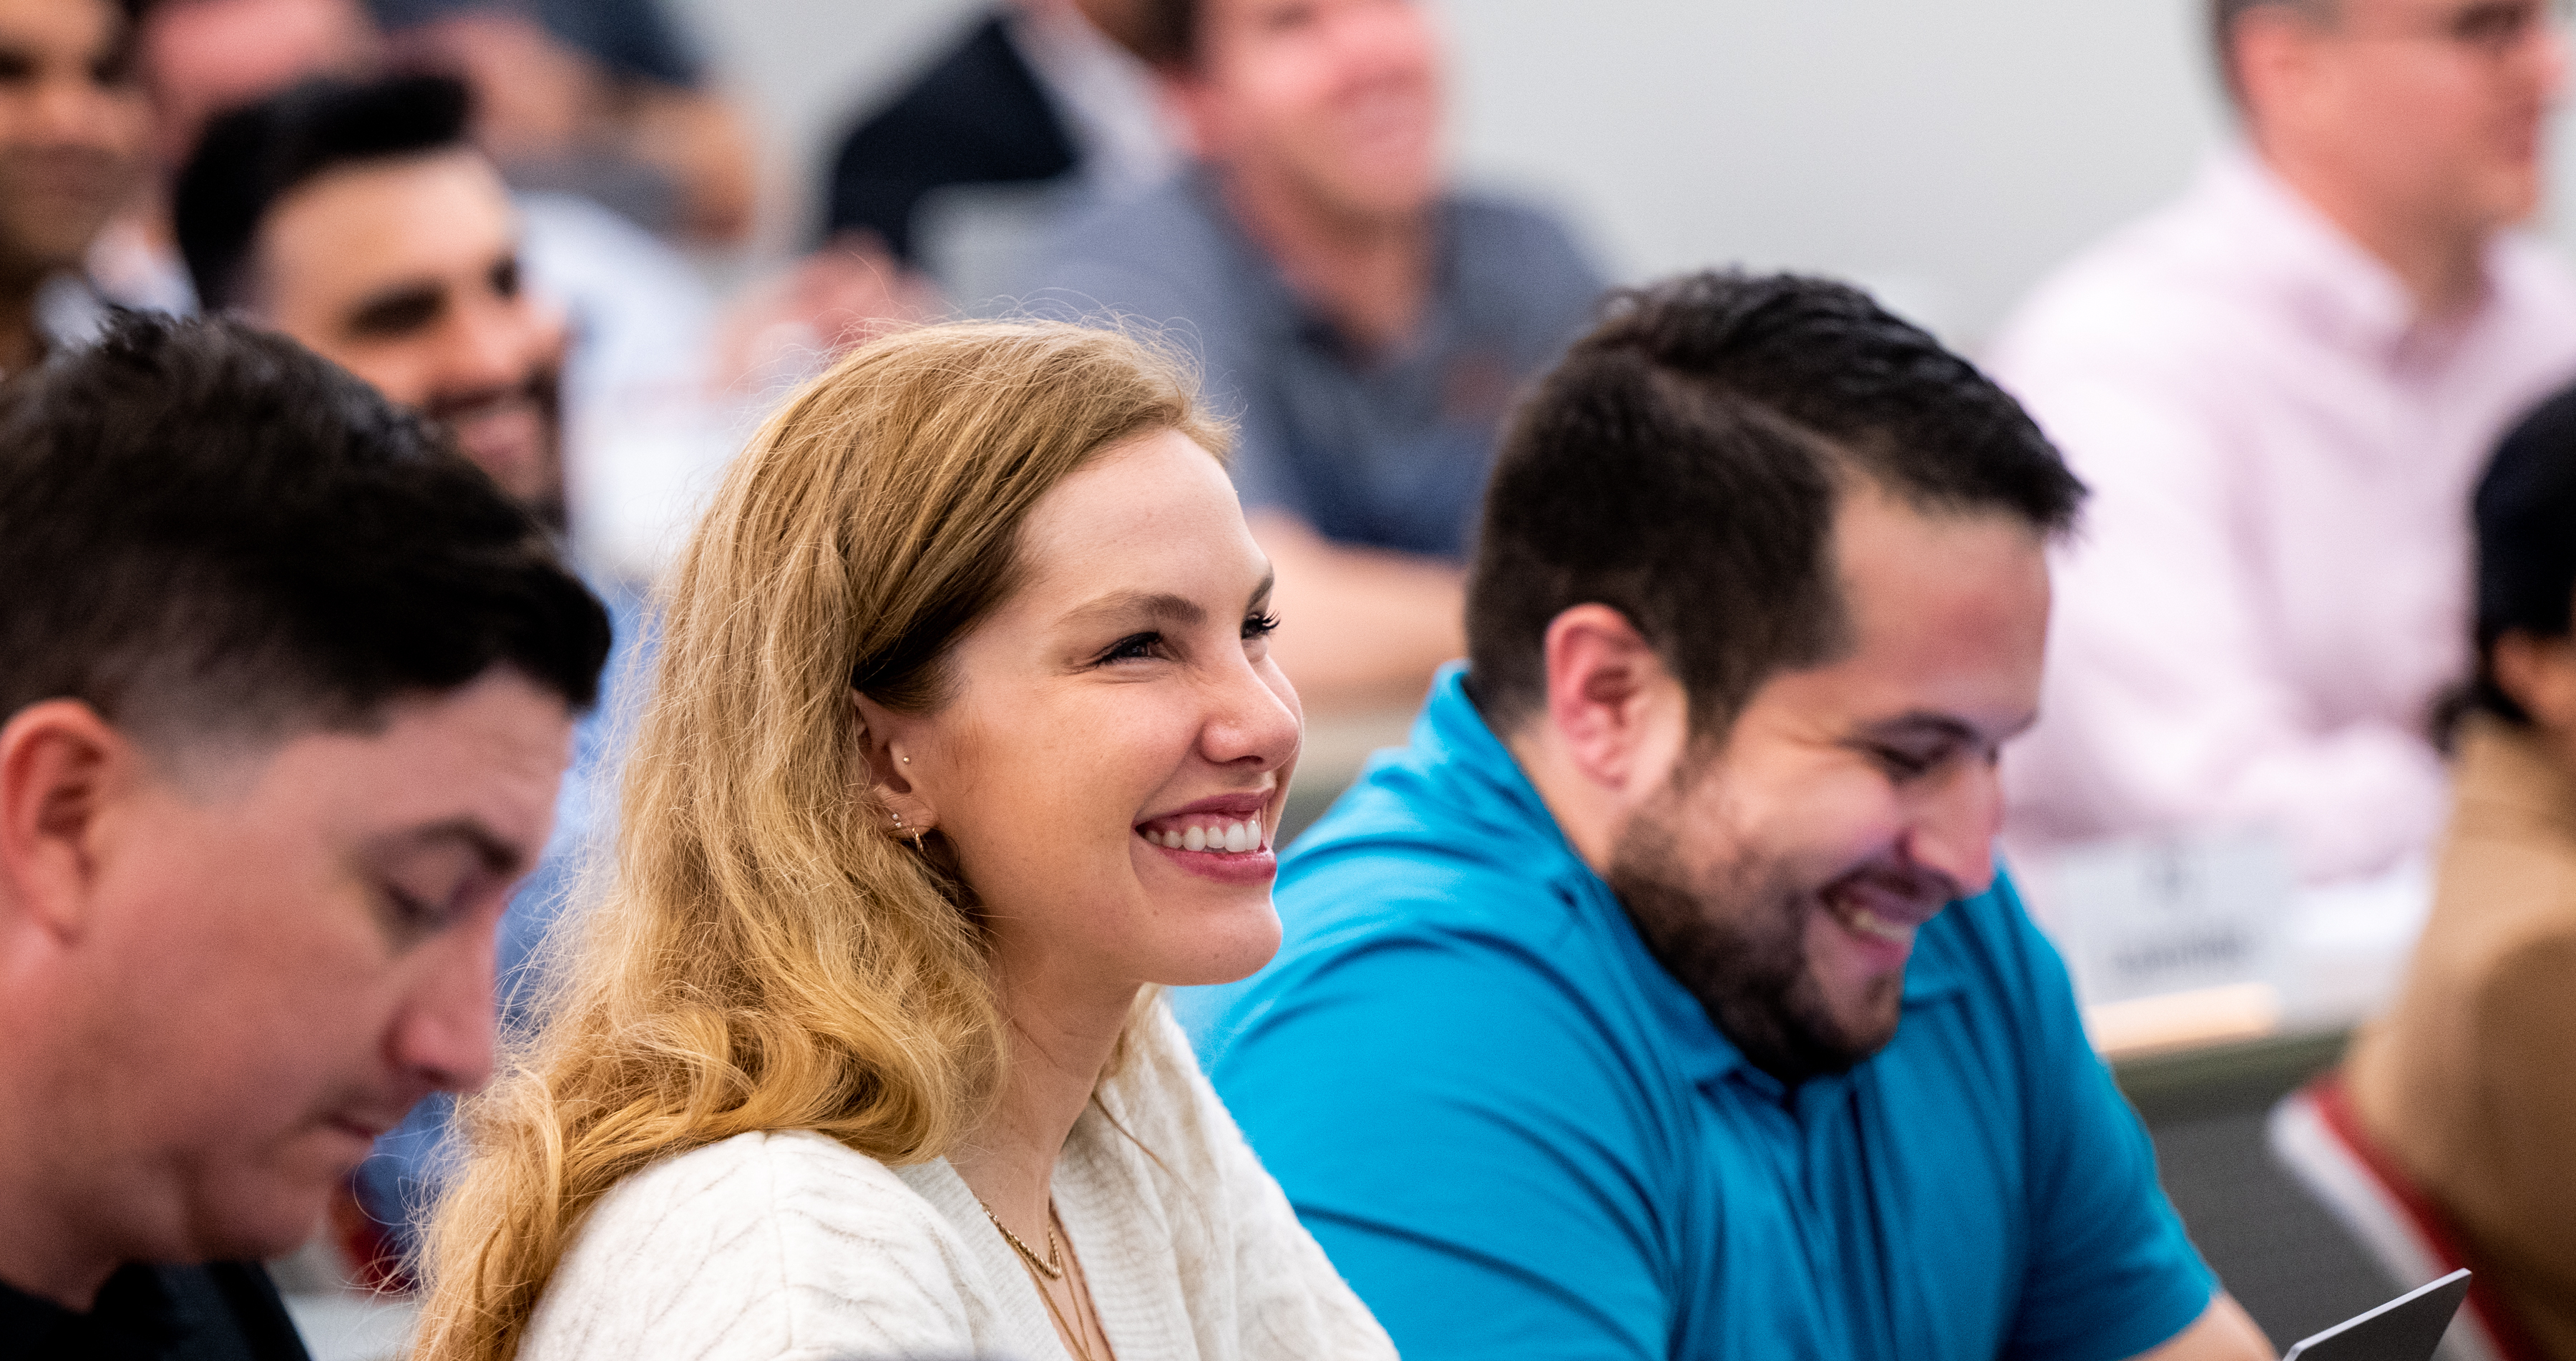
{"points": [[72, 125], [406, 273], [2427, 109], [1337, 101], [202, 57]]}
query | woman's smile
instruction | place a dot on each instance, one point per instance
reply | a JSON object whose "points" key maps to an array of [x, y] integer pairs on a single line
{"points": [[1226, 838]]}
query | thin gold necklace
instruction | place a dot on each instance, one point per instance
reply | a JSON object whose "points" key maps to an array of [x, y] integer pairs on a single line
{"points": [[1053, 1266], [1043, 1271]]}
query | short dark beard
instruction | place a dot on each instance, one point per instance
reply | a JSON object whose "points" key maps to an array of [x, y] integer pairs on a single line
{"points": [[544, 389], [1740, 947]]}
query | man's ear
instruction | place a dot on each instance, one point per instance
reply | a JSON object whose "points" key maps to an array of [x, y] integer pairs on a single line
{"points": [[1618, 713], [2540, 675], [888, 743], [60, 767], [2272, 52]]}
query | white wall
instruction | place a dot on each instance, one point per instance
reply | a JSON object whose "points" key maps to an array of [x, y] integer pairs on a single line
{"points": [[1945, 151]]}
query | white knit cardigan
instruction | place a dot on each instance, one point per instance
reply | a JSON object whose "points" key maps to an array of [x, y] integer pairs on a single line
{"points": [[787, 1245]]}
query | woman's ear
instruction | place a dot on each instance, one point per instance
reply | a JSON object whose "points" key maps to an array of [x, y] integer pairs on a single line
{"points": [[888, 743]]}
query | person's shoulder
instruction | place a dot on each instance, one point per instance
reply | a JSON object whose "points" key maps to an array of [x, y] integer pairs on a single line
{"points": [[2133, 294], [954, 92], [1986, 950], [2533, 267], [1416, 919], [1395, 858], [1514, 251], [1168, 229], [2538, 290], [2519, 986], [761, 1236], [748, 1174], [1503, 223]]}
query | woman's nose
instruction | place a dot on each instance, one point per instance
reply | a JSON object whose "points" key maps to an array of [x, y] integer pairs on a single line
{"points": [[1254, 718]]}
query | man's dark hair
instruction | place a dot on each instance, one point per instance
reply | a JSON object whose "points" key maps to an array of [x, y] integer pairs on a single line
{"points": [[208, 531], [2223, 15], [1162, 33], [1682, 465], [2525, 513], [250, 158]]}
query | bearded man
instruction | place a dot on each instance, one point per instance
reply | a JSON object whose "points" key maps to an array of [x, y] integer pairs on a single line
{"points": [[1663, 998]]}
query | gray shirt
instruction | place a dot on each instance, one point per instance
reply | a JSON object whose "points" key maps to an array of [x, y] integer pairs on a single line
{"points": [[1389, 451]]}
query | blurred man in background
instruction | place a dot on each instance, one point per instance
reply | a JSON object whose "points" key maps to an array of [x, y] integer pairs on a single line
{"points": [[1365, 323], [285, 691], [636, 382], [195, 59], [359, 220], [72, 127], [2280, 389]]}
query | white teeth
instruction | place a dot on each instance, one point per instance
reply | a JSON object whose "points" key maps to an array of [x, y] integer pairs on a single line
{"points": [[1233, 838], [1869, 923]]}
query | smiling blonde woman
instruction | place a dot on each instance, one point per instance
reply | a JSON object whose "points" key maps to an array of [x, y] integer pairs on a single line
{"points": [[965, 737]]}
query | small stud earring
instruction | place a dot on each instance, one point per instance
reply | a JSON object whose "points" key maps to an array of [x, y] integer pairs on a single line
{"points": [[907, 760]]}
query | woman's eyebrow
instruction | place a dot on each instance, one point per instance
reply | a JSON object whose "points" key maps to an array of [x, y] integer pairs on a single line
{"points": [[1153, 606]]}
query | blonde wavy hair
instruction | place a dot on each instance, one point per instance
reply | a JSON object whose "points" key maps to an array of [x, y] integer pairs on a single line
{"points": [[762, 954]]}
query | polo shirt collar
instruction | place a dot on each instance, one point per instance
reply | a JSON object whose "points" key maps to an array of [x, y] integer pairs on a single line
{"points": [[1487, 788]]}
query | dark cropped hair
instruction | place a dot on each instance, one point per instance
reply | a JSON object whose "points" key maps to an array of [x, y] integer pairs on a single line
{"points": [[2525, 516], [250, 158], [208, 531], [2223, 15], [1682, 465], [1163, 33]]}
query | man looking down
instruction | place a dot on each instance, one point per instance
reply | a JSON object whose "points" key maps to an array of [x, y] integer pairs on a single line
{"points": [[358, 219], [285, 691], [1663, 999]]}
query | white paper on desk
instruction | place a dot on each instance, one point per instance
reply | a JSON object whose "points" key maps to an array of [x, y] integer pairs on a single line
{"points": [[2145, 916]]}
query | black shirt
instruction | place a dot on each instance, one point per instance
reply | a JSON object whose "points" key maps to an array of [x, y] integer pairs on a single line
{"points": [[225, 1311], [978, 116]]}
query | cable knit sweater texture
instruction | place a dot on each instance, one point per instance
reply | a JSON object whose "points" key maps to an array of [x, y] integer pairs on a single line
{"points": [[787, 1246]]}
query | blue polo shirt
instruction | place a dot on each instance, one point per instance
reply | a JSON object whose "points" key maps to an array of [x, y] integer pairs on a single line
{"points": [[1517, 1136]]}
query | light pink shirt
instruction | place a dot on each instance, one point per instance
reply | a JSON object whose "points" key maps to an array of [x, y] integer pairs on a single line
{"points": [[2270, 584]]}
